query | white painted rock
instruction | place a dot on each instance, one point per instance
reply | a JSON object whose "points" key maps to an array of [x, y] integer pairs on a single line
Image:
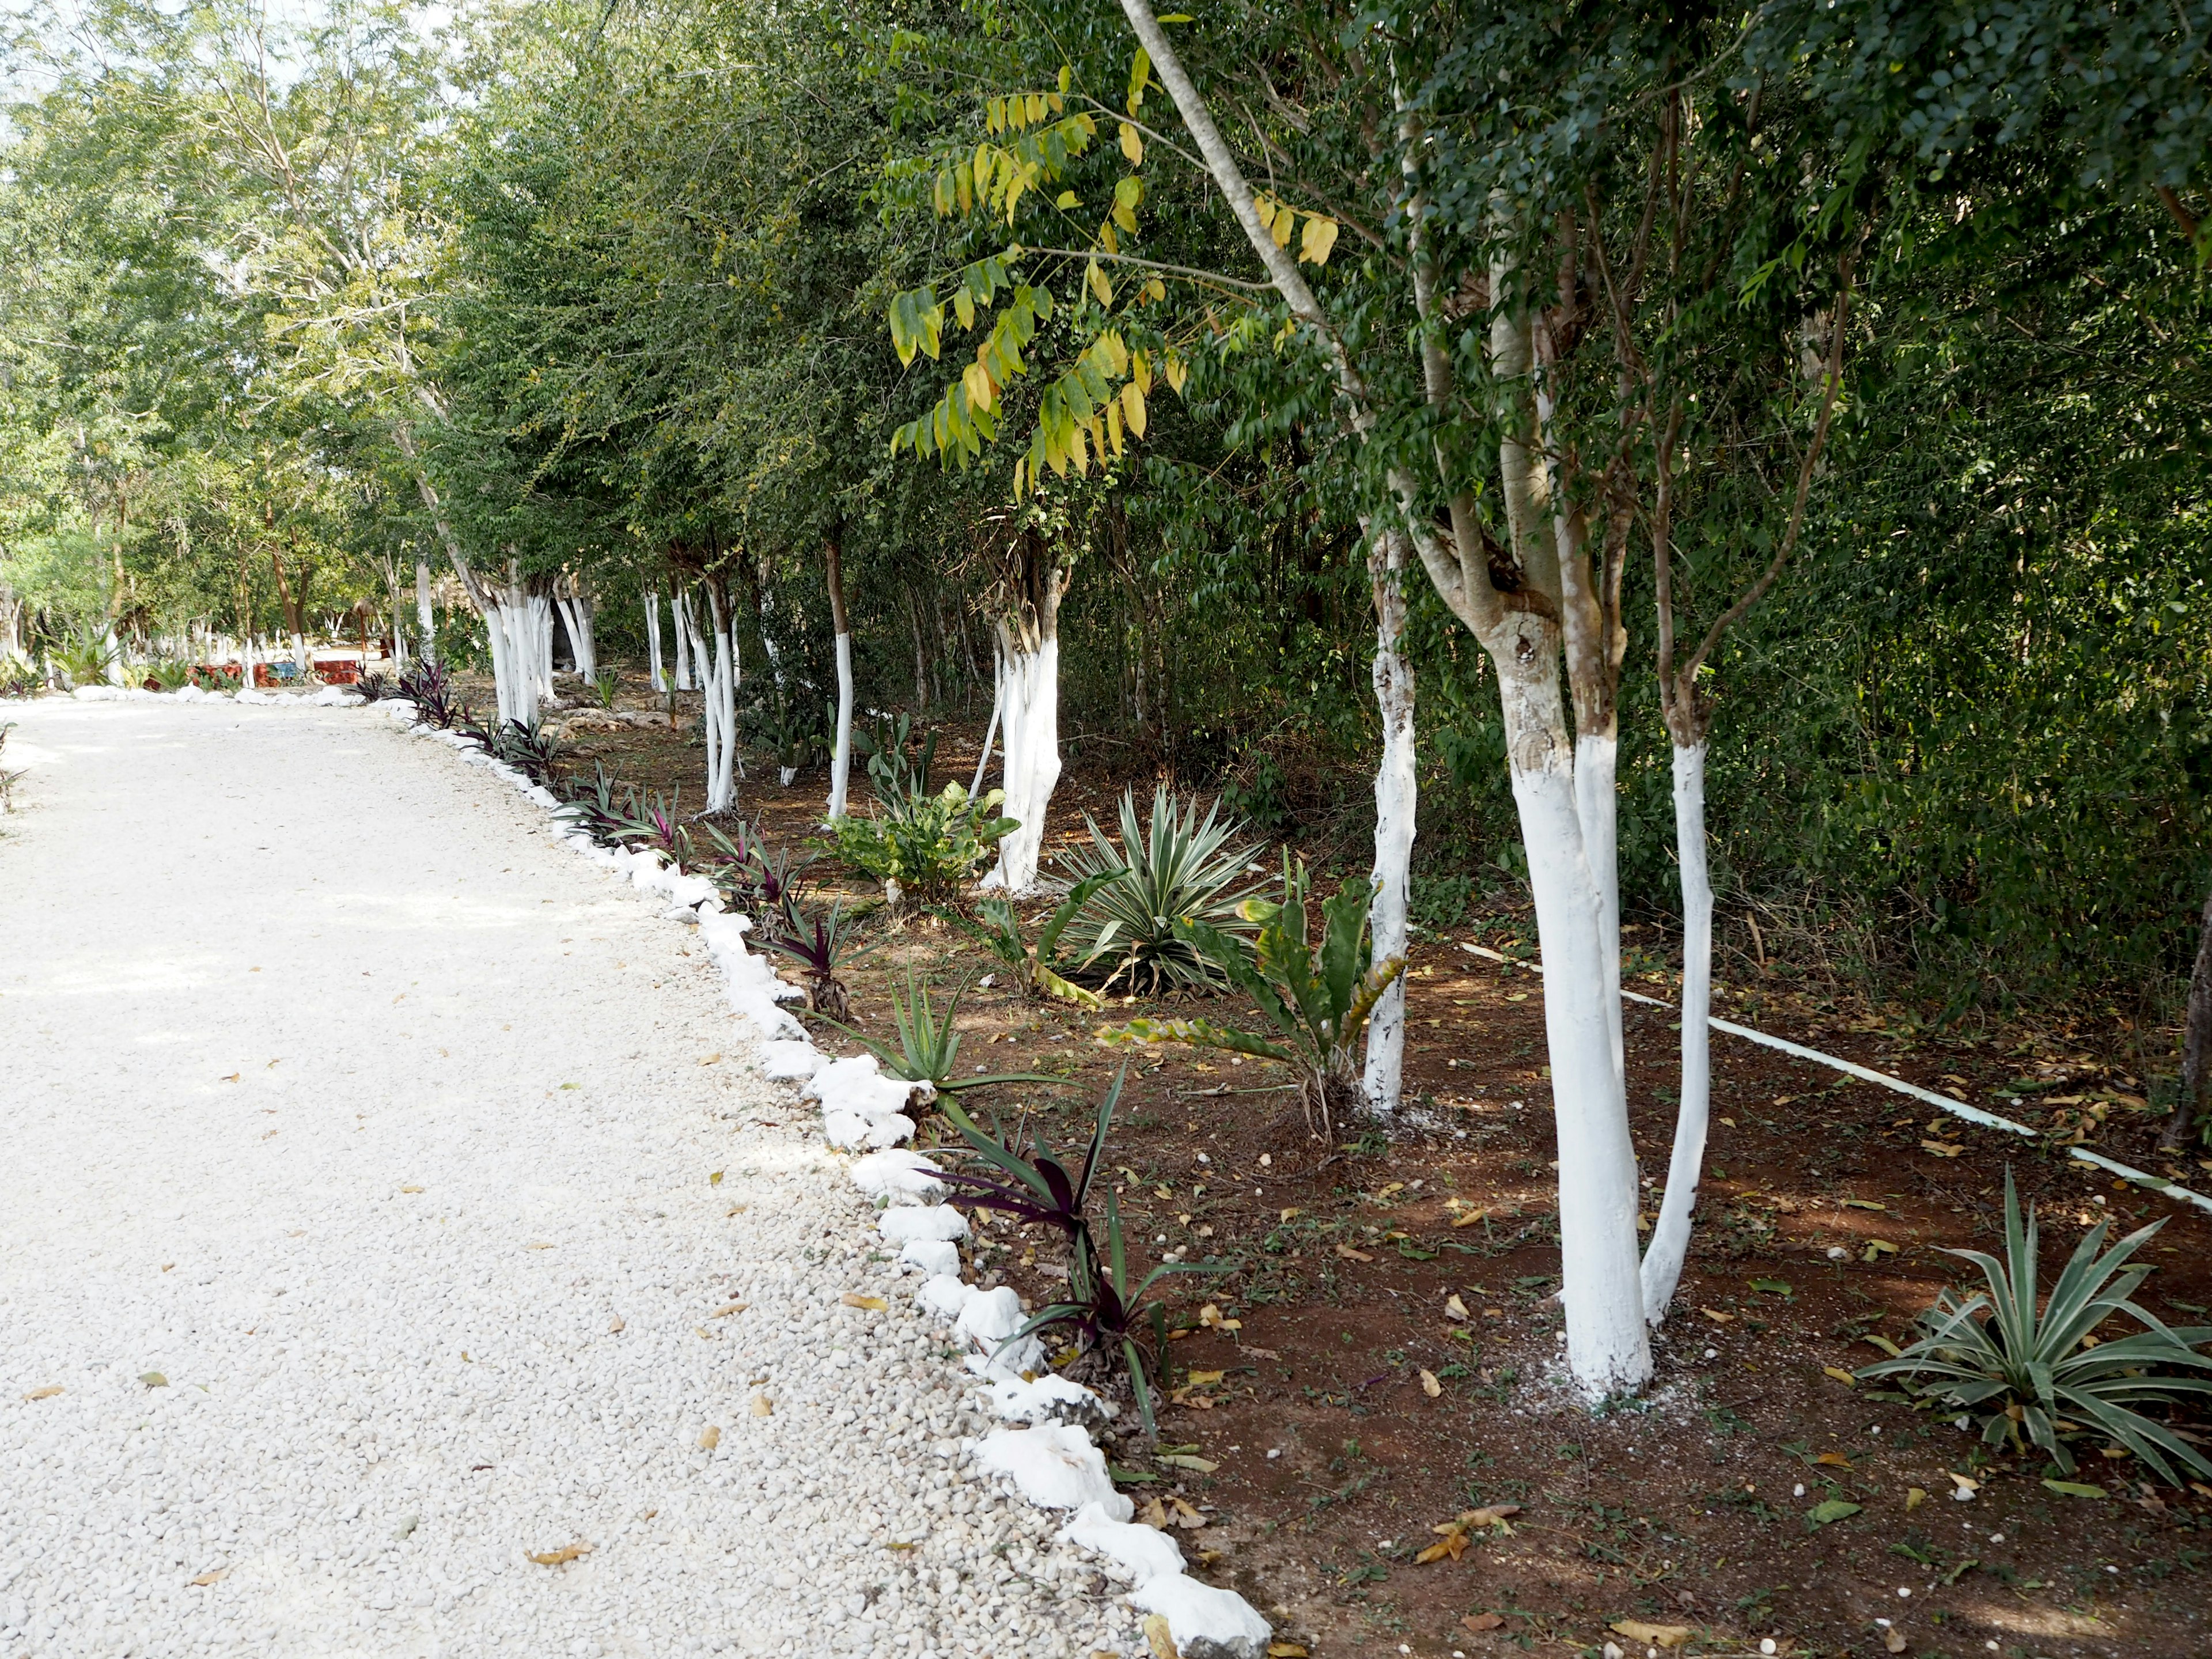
{"points": [[945, 1296], [787, 1060], [849, 1132], [937, 1257], [1207, 1623], [902, 1177], [1056, 1467], [1049, 1398], [853, 1084], [1145, 1551], [988, 1323], [910, 1222]]}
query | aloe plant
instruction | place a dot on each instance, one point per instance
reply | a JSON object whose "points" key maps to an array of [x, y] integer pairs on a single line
{"points": [[929, 1046], [2036, 1375], [1179, 865], [1036, 964], [1315, 998]]}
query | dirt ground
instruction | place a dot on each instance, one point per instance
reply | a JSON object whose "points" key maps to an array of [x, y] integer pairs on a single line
{"points": [[1345, 1412]]}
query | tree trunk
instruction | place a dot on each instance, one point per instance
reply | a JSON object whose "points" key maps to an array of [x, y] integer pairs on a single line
{"points": [[1670, 1233], [576, 617], [1397, 794], [720, 717], [1028, 680], [840, 755], [296, 623], [990, 731], [679, 607], [2196, 1042], [652, 598], [426, 620]]}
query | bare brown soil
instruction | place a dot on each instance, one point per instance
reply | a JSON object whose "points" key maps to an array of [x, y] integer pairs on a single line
{"points": [[1303, 1376]]}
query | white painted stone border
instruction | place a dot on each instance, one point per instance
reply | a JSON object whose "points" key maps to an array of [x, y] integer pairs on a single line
{"points": [[1958, 1109]]}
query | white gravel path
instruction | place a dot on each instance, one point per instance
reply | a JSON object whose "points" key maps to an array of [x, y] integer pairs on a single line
{"points": [[339, 1094]]}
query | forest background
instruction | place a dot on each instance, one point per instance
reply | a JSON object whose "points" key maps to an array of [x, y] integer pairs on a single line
{"points": [[598, 294]]}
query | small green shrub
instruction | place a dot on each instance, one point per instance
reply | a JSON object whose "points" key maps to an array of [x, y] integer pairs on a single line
{"points": [[929, 845], [1035, 963], [929, 1044], [2025, 1374]]}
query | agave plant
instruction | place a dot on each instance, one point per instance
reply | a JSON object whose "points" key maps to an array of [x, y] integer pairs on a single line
{"points": [[1179, 867], [169, 674], [86, 657], [1035, 963], [604, 684], [1317, 1000], [822, 944], [1107, 1315], [2037, 1377], [929, 1047]]}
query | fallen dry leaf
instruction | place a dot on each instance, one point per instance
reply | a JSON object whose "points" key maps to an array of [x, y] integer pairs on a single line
{"points": [[47, 1392], [540, 1247], [1285, 1651], [1657, 1636], [715, 1179], [1833, 1460], [154, 1379], [710, 1439], [1453, 1308], [1204, 1379], [710, 1059], [1185, 1460], [1914, 1497], [1717, 1317], [207, 1579], [1430, 1386], [1469, 1218], [1350, 1255], [702, 1332], [566, 1553], [1942, 1148], [1964, 1483], [1288, 1213], [763, 1405], [1479, 1622], [1158, 1638], [1893, 1639], [872, 1303], [616, 1328], [411, 1190], [1840, 1374], [724, 1313], [1258, 1352]]}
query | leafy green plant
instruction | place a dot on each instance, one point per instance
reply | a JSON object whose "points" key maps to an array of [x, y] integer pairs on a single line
{"points": [[86, 656], [604, 685], [2034, 1377], [530, 750], [17, 677], [897, 763], [591, 807], [754, 877], [654, 826], [1317, 996], [1179, 867], [1035, 963], [929, 1046], [375, 688], [822, 942], [169, 674], [1109, 1318], [8, 780], [792, 731], [927, 845]]}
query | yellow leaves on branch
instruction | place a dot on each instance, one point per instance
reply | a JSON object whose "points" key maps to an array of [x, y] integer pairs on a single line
{"points": [[1314, 242]]}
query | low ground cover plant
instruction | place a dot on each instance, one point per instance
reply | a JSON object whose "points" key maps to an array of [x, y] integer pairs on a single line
{"points": [[924, 847], [929, 1043]]}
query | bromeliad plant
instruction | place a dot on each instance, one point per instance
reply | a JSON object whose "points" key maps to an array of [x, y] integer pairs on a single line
{"points": [[591, 807], [929, 1046], [530, 750], [1109, 1318], [426, 686], [1035, 963], [822, 944], [754, 877], [2034, 1377], [1317, 997], [655, 826], [1179, 867]]}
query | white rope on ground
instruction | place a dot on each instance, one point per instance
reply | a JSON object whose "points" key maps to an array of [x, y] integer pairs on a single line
{"points": [[1956, 1108]]}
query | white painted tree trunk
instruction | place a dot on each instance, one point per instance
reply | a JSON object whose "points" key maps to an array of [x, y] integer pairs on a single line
{"points": [[576, 617], [1397, 794], [300, 654], [1670, 1233], [1597, 806], [991, 730], [841, 756], [1030, 698], [426, 620], [720, 683], [653, 641], [679, 606], [539, 609], [1608, 1349]]}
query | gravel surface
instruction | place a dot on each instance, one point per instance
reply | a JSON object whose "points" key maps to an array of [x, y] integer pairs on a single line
{"points": [[360, 1206]]}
